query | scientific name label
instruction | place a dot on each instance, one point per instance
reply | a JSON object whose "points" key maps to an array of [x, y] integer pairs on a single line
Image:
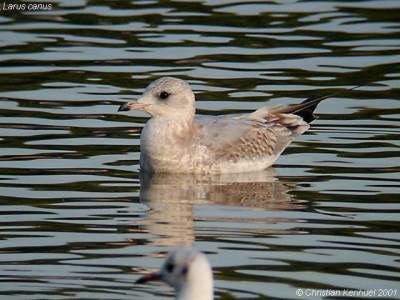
{"points": [[32, 6]]}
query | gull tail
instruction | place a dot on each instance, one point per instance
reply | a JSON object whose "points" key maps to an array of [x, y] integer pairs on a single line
{"points": [[305, 109]]}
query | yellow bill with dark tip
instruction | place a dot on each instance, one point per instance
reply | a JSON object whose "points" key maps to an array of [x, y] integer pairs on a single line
{"points": [[133, 105]]}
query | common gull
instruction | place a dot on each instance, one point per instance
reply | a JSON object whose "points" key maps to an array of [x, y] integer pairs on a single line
{"points": [[188, 272], [176, 140]]}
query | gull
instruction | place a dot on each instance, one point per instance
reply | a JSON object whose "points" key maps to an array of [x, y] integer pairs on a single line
{"points": [[188, 272], [176, 140]]}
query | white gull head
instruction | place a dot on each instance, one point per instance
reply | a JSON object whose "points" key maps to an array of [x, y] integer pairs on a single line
{"points": [[167, 98], [188, 272]]}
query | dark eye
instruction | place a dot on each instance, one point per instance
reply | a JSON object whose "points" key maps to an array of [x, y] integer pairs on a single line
{"points": [[185, 270], [164, 95], [169, 267]]}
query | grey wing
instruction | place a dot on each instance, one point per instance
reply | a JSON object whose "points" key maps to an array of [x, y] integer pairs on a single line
{"points": [[248, 136]]}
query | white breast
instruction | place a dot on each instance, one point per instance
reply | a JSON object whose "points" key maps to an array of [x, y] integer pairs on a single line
{"points": [[163, 148]]}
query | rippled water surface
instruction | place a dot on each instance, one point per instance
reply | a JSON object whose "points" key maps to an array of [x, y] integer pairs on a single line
{"points": [[78, 220]]}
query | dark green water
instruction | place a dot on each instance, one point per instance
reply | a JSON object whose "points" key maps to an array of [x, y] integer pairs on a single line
{"points": [[78, 220]]}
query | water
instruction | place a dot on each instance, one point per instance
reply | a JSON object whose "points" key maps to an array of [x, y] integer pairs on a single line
{"points": [[78, 220]]}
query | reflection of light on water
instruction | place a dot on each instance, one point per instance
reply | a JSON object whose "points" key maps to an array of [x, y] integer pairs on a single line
{"points": [[171, 199]]}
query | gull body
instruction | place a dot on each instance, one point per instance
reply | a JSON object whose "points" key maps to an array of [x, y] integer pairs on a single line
{"points": [[176, 140], [188, 272]]}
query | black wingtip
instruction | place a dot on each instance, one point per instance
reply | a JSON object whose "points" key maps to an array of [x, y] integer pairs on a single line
{"points": [[306, 108]]}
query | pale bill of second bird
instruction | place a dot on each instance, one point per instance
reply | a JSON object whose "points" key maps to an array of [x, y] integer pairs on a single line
{"points": [[176, 140]]}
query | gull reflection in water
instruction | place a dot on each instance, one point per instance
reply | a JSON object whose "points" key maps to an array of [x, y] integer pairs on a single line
{"points": [[171, 198]]}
